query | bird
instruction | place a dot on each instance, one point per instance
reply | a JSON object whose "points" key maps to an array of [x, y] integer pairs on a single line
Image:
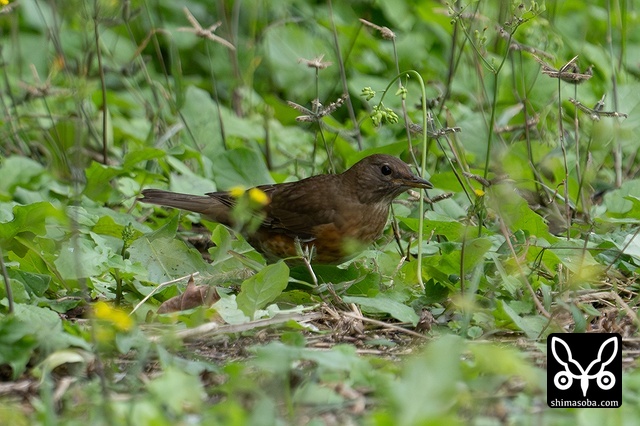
{"points": [[331, 217]]}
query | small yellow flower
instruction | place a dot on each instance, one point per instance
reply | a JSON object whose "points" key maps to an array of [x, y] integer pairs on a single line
{"points": [[117, 317], [4, 2], [479, 192], [58, 61], [236, 191], [258, 196]]}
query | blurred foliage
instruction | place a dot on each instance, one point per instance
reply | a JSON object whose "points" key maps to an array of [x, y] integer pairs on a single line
{"points": [[538, 201]]}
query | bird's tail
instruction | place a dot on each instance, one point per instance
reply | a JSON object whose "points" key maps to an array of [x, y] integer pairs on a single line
{"points": [[212, 208]]}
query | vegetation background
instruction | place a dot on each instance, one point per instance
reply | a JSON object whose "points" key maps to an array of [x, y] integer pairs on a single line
{"points": [[532, 118]]}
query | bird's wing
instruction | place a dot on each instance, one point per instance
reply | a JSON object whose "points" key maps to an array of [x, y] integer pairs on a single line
{"points": [[297, 208]]}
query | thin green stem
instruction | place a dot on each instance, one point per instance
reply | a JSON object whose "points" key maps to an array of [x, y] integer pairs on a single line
{"points": [[423, 163], [567, 208], [103, 85]]}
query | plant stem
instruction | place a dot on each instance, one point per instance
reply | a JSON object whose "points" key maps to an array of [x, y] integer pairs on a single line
{"points": [[423, 163]]}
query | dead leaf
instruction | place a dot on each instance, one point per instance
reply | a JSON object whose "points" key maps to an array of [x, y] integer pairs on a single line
{"points": [[193, 296]]}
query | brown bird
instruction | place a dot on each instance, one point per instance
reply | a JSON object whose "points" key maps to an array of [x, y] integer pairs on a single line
{"points": [[333, 216]]}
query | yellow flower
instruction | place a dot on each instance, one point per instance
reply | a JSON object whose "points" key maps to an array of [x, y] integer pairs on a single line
{"points": [[258, 196], [4, 2], [479, 192], [117, 317], [58, 61], [236, 191]]}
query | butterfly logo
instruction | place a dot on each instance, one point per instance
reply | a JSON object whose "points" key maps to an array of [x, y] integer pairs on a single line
{"points": [[563, 380]]}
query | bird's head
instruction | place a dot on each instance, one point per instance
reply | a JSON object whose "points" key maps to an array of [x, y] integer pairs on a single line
{"points": [[381, 178]]}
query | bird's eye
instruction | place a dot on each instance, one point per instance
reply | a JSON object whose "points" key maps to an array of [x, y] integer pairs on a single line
{"points": [[385, 169]]}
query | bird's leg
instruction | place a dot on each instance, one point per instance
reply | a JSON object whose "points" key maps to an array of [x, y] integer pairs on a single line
{"points": [[306, 254], [396, 230]]}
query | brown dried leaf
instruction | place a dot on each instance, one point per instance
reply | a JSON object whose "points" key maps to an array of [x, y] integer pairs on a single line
{"points": [[193, 296]]}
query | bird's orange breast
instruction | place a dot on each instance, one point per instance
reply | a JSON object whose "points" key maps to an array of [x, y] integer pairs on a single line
{"points": [[331, 243]]}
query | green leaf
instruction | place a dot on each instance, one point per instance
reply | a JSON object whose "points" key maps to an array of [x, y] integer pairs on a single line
{"points": [[35, 284], [31, 261], [262, 288], [99, 178], [81, 258], [16, 344], [29, 219], [71, 358], [532, 325], [244, 167], [394, 149], [435, 292], [619, 202], [178, 391], [17, 170], [32, 327], [474, 252], [106, 225], [168, 230], [516, 213], [437, 224], [383, 303], [490, 358], [414, 399], [134, 157], [200, 115], [573, 255], [166, 258]]}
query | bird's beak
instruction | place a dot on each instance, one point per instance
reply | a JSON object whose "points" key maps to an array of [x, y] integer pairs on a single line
{"points": [[417, 182]]}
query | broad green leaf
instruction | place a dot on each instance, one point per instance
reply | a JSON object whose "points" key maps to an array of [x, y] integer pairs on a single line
{"points": [[415, 399], [191, 183], [578, 260], [134, 157], [383, 303], [516, 213], [436, 224], [490, 358], [474, 252], [200, 115], [630, 245], [435, 292], [80, 216], [30, 260], [99, 176], [178, 391], [16, 344], [67, 357], [532, 325], [227, 308], [17, 170], [29, 219], [168, 230], [81, 258], [262, 288], [278, 357], [18, 291], [394, 149], [106, 225], [240, 167], [46, 327], [619, 203], [35, 284], [166, 258], [284, 46]]}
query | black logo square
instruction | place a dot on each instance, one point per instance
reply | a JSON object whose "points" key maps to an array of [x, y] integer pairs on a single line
{"points": [[584, 370]]}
